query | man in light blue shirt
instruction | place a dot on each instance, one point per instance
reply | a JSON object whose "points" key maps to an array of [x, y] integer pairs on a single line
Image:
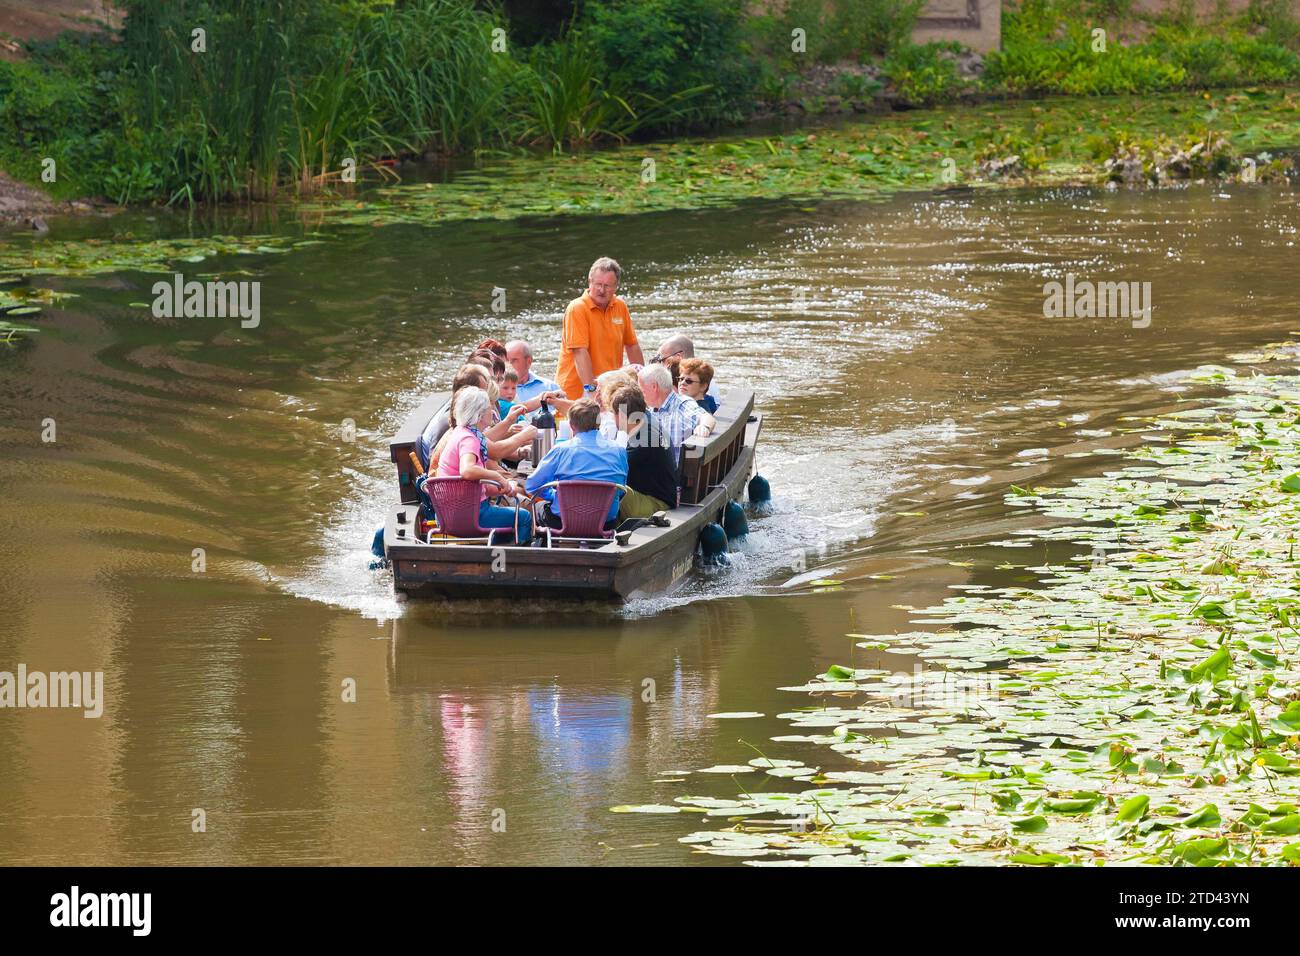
{"points": [[520, 356], [584, 457]]}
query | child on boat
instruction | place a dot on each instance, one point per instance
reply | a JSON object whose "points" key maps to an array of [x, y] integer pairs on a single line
{"points": [[507, 389], [508, 402]]}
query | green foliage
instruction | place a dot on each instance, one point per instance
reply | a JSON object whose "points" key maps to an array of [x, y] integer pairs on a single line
{"points": [[286, 90], [856, 87], [431, 78], [925, 74], [56, 105], [834, 30], [869, 27], [1048, 47], [658, 48], [227, 109], [1274, 21], [565, 101]]}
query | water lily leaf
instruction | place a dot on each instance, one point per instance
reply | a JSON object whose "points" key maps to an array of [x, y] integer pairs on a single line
{"points": [[1215, 667], [1134, 808], [1206, 817], [728, 768], [1039, 859], [1196, 852], [1034, 824], [1074, 805], [1288, 825]]}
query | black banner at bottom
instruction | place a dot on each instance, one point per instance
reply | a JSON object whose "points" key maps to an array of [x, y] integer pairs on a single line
{"points": [[331, 905]]}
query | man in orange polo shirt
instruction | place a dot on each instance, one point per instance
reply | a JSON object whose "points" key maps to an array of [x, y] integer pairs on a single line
{"points": [[597, 330]]}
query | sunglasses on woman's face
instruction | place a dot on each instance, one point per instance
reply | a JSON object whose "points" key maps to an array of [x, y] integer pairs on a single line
{"points": [[690, 381]]}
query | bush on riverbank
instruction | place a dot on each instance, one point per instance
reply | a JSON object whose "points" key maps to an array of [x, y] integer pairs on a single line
{"points": [[1053, 46], [285, 91], [664, 47]]}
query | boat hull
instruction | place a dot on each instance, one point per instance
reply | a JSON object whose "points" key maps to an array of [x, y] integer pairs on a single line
{"points": [[654, 560]]}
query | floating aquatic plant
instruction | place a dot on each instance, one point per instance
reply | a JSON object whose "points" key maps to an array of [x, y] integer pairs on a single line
{"points": [[1139, 704], [869, 160]]}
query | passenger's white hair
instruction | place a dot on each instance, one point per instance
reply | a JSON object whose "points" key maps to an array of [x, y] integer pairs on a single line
{"points": [[658, 376], [528, 349], [471, 403]]}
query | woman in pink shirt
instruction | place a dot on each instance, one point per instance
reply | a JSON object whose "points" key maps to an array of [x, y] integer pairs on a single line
{"points": [[466, 456]]}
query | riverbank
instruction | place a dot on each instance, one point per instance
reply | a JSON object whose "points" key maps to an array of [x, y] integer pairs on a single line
{"points": [[1043, 143], [1138, 702], [142, 114], [1123, 142], [24, 205]]}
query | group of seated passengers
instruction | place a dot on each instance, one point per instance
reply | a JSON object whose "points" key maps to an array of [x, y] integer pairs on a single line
{"points": [[629, 434]]}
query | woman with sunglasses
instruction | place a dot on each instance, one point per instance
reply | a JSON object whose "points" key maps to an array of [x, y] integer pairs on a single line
{"points": [[694, 377]]}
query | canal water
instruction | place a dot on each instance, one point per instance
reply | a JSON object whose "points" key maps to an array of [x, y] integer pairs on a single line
{"points": [[899, 350]]}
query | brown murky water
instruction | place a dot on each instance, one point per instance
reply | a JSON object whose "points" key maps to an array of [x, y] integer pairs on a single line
{"points": [[909, 377]]}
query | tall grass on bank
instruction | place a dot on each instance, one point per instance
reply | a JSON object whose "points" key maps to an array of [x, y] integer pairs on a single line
{"points": [[216, 121], [431, 78], [564, 100], [288, 89]]}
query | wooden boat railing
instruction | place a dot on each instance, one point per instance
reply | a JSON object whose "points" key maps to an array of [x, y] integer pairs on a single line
{"points": [[705, 461], [402, 445]]}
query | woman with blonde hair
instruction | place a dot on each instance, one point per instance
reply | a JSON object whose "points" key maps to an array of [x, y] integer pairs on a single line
{"points": [[607, 383]]}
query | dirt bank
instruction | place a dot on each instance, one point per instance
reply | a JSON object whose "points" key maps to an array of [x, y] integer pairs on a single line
{"points": [[24, 205], [22, 20]]}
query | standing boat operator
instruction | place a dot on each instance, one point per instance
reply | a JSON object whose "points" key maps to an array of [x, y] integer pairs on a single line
{"points": [[597, 330]]}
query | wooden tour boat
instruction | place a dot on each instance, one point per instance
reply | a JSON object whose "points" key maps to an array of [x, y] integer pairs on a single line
{"points": [[648, 560]]}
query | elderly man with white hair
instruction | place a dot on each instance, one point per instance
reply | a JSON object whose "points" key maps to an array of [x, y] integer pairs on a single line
{"points": [[675, 417], [597, 331]]}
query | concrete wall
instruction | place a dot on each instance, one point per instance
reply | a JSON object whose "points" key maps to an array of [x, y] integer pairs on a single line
{"points": [[976, 23]]}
